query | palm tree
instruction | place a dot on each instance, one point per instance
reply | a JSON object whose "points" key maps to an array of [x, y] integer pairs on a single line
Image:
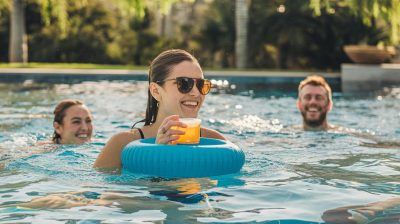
{"points": [[241, 21], [18, 49]]}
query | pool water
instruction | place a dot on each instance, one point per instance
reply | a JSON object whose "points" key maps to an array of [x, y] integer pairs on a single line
{"points": [[288, 177]]}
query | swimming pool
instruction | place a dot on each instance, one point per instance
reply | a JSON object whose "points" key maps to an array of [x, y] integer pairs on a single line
{"points": [[288, 177]]}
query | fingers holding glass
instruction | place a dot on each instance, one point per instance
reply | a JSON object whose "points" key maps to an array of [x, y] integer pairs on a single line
{"points": [[167, 133]]}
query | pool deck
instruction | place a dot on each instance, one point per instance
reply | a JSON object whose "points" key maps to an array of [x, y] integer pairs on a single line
{"points": [[352, 78], [6, 73], [372, 78]]}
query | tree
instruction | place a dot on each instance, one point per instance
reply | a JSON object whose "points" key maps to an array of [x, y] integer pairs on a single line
{"points": [[18, 49], [241, 21]]}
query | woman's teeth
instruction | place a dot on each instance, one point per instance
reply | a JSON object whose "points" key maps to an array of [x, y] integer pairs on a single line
{"points": [[190, 103]]}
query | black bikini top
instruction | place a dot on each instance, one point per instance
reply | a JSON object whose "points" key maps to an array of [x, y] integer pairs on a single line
{"points": [[140, 132], [142, 135]]}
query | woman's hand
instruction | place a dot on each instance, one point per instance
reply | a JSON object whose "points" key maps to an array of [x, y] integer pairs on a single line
{"points": [[165, 133]]}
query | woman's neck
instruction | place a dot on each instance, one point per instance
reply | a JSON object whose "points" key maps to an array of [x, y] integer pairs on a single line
{"points": [[152, 129]]}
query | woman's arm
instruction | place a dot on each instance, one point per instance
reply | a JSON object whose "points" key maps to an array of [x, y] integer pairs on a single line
{"points": [[110, 156], [209, 133]]}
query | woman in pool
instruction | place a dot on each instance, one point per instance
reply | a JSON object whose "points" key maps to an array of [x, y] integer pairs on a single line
{"points": [[72, 123], [177, 88]]}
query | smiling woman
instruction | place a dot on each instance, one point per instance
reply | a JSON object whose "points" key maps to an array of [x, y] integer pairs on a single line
{"points": [[72, 123], [177, 89]]}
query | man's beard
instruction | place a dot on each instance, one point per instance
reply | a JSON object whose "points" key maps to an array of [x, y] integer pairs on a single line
{"points": [[314, 123]]}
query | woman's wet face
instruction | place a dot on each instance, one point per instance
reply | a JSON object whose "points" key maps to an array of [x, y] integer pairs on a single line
{"points": [[77, 125], [172, 100]]}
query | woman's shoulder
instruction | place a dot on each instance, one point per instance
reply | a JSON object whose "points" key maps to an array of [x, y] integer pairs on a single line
{"points": [[126, 136], [110, 155], [46, 142], [210, 133]]}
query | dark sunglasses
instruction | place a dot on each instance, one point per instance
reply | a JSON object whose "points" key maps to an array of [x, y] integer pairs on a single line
{"points": [[186, 84]]}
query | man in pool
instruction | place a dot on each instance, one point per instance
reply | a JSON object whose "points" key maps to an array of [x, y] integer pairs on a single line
{"points": [[314, 102]]}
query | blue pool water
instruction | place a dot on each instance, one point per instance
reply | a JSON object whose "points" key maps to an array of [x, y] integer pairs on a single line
{"points": [[288, 177]]}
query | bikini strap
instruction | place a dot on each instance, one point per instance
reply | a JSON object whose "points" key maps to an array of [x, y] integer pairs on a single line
{"points": [[140, 132]]}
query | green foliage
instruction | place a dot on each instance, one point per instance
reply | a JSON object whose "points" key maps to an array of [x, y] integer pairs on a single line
{"points": [[123, 32], [68, 66], [387, 11], [218, 34], [92, 32], [140, 45], [4, 32], [4, 4], [305, 41], [95, 34], [294, 39], [131, 8], [54, 9]]}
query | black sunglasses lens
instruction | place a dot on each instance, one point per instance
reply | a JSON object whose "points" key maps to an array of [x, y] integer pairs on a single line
{"points": [[185, 85]]}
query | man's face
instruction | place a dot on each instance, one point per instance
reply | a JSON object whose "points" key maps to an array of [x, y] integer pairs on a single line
{"points": [[314, 104]]}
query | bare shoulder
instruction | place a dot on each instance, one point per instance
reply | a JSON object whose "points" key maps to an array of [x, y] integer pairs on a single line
{"points": [[48, 142], [123, 138], [336, 128], [110, 156], [209, 133], [292, 129]]}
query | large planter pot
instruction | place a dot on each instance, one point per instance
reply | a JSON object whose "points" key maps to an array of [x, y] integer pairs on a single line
{"points": [[364, 54]]}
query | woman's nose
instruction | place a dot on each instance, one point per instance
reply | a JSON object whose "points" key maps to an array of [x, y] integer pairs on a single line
{"points": [[85, 126], [194, 91]]}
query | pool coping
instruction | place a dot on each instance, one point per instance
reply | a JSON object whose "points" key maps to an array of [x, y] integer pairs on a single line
{"points": [[31, 72], [351, 78], [262, 80]]}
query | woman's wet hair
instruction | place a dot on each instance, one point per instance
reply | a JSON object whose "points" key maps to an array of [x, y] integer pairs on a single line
{"points": [[59, 114], [159, 70]]}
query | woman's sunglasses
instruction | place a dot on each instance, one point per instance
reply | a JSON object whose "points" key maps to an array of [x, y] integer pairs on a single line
{"points": [[186, 84]]}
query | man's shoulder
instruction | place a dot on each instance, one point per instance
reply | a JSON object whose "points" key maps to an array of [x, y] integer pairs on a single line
{"points": [[341, 129]]}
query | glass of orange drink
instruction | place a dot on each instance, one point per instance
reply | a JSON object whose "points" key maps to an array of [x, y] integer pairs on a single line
{"points": [[192, 131]]}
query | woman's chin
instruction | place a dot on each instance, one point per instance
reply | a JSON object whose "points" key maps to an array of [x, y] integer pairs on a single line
{"points": [[189, 115]]}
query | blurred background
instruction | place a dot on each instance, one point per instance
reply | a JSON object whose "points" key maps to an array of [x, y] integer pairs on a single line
{"points": [[253, 34]]}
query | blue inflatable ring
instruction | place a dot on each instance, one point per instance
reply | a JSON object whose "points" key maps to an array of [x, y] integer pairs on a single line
{"points": [[211, 157]]}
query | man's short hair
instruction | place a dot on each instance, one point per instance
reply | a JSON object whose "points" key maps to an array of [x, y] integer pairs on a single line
{"points": [[316, 80]]}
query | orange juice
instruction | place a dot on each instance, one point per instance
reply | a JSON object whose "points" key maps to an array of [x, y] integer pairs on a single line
{"points": [[192, 131]]}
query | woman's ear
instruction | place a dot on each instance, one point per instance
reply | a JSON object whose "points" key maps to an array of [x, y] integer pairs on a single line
{"points": [[154, 91], [57, 127]]}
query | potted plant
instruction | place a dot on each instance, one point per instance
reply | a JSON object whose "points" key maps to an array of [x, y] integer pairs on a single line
{"points": [[367, 54]]}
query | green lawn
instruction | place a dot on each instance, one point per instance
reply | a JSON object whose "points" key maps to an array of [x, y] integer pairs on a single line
{"points": [[69, 66], [128, 67]]}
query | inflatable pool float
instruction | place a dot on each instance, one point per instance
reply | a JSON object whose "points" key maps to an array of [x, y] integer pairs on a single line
{"points": [[211, 157]]}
